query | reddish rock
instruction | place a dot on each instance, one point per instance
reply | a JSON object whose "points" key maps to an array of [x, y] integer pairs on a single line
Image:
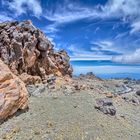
{"points": [[29, 79], [25, 49], [13, 94], [109, 95]]}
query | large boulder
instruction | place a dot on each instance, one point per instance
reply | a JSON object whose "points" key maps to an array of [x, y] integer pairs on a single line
{"points": [[25, 49], [13, 94]]}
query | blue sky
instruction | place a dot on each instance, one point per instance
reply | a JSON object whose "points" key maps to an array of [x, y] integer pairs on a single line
{"points": [[86, 29]]}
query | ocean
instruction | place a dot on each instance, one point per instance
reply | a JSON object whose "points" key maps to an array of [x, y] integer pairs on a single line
{"points": [[106, 69]]}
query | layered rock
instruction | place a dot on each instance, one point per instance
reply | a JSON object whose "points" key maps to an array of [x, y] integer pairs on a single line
{"points": [[25, 49], [13, 94]]}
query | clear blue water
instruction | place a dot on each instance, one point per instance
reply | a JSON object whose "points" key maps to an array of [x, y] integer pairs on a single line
{"points": [[106, 69]]}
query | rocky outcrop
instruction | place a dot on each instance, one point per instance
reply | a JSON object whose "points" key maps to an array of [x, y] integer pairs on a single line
{"points": [[13, 94], [25, 49]]}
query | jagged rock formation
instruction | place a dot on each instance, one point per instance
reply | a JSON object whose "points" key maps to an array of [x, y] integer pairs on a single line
{"points": [[13, 93], [25, 49]]}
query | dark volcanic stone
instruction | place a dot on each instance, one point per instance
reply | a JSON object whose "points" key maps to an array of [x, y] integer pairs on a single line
{"points": [[135, 100], [105, 105], [138, 92], [104, 101]]}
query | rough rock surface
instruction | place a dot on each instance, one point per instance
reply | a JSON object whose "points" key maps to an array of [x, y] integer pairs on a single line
{"points": [[106, 106], [25, 49], [13, 94], [138, 92]]}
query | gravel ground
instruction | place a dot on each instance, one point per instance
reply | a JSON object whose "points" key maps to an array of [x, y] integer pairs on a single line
{"points": [[59, 115]]}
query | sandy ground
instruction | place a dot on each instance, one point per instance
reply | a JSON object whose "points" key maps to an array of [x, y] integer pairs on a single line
{"points": [[57, 115]]}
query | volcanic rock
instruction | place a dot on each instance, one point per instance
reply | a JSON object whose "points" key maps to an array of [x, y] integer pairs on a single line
{"points": [[13, 94], [138, 92], [105, 105], [25, 49], [29, 79]]}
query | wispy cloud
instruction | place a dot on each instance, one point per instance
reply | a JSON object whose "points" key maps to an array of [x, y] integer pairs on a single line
{"points": [[79, 52], [51, 29], [135, 27], [121, 35], [20, 7], [128, 58], [105, 46], [5, 17], [69, 11]]}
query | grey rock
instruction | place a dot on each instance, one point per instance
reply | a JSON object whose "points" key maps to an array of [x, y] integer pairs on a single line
{"points": [[43, 45], [138, 92], [68, 89], [125, 98], [135, 100], [35, 90], [51, 79], [105, 105], [104, 101], [108, 110]]}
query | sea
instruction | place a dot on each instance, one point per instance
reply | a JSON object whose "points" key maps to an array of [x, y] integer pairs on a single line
{"points": [[106, 69]]}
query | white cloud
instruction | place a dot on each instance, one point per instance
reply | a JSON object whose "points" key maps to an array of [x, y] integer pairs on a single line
{"points": [[135, 27], [69, 11], [127, 10], [106, 69], [105, 45], [122, 8], [121, 35], [128, 58], [22, 6], [80, 53], [5, 17], [52, 28]]}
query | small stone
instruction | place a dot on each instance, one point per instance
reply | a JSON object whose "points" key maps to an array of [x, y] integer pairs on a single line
{"points": [[36, 132], [125, 98], [75, 106], [135, 100], [138, 92], [36, 90], [109, 95], [55, 97], [104, 101]]}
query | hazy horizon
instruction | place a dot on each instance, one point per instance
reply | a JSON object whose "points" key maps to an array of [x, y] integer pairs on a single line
{"points": [[86, 29]]}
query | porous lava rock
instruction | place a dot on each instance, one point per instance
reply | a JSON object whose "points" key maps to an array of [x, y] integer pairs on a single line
{"points": [[25, 49], [13, 93]]}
